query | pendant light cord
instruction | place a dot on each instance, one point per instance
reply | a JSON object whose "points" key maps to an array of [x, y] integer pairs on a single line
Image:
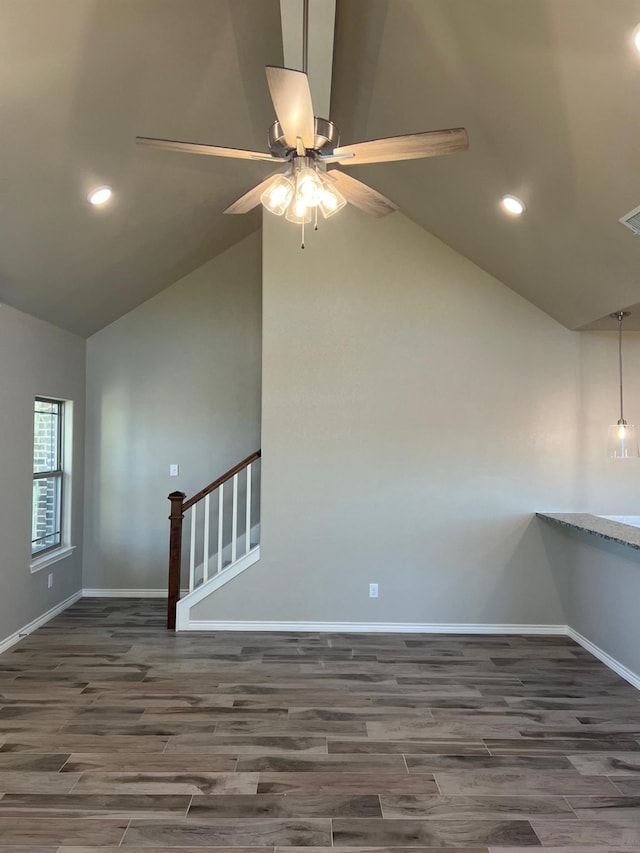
{"points": [[620, 317]]}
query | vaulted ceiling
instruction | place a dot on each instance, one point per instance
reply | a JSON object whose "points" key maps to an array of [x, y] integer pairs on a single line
{"points": [[547, 89]]}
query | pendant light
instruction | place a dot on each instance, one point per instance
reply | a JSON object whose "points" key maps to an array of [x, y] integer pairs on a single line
{"points": [[622, 441]]}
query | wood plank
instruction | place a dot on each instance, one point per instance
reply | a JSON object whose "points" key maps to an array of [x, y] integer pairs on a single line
{"points": [[113, 732]]}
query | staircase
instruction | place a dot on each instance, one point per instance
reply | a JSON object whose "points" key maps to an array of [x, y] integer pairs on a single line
{"points": [[220, 539]]}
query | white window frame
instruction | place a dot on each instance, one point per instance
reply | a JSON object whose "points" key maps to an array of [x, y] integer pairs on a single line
{"points": [[65, 548]]}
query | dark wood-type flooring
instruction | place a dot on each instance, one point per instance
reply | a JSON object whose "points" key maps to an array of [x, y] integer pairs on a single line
{"points": [[116, 734]]}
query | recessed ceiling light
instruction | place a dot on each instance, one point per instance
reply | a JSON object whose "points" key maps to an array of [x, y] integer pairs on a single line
{"points": [[636, 37], [513, 205], [100, 195]]}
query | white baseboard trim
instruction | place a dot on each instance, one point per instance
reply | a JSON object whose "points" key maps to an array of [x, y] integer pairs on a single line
{"points": [[127, 593], [12, 639], [333, 627], [373, 627], [606, 659], [419, 628]]}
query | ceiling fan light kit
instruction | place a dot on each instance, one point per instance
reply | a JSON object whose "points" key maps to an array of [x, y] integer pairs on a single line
{"points": [[301, 193], [309, 148]]}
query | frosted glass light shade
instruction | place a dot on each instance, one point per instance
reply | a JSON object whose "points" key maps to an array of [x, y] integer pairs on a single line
{"points": [[331, 201], [308, 187], [277, 195], [622, 441], [298, 212]]}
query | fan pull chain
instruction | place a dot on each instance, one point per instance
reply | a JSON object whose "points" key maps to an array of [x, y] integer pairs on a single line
{"points": [[302, 243], [315, 226]]}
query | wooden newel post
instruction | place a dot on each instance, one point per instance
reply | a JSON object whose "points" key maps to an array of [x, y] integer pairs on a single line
{"points": [[175, 556]]}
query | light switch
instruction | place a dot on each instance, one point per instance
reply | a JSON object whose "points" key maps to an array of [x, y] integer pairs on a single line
{"points": [[174, 470]]}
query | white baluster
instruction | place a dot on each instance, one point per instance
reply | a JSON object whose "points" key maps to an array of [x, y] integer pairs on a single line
{"points": [[220, 511], [247, 541], [192, 549], [234, 520], [205, 561]]}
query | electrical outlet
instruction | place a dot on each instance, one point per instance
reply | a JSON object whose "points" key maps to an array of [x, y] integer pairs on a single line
{"points": [[174, 470], [49, 580], [373, 590]]}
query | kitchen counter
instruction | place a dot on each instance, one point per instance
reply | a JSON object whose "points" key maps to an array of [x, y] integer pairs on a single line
{"points": [[604, 528]]}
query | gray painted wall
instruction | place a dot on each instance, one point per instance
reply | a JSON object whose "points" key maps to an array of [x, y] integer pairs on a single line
{"points": [[177, 380], [36, 358], [416, 413], [604, 590]]}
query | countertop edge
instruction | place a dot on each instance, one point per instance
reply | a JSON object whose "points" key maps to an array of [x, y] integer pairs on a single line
{"points": [[612, 531]]}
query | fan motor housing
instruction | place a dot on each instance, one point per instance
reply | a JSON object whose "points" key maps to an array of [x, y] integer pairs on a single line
{"points": [[326, 138]]}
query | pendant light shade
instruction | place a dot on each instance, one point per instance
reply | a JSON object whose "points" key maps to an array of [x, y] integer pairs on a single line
{"points": [[308, 187], [622, 439], [298, 212], [277, 196], [332, 201]]}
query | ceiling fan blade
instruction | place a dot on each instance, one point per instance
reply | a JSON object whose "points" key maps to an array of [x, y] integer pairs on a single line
{"points": [[212, 150], [361, 195], [291, 98], [334, 158], [251, 198], [431, 143]]}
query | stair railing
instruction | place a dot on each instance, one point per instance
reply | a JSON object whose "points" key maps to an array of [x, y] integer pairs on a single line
{"points": [[231, 543]]}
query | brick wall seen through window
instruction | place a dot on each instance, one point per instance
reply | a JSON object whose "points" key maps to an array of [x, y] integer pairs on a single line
{"points": [[46, 519]]}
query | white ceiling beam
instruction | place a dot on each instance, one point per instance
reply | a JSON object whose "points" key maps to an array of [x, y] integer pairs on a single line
{"points": [[322, 14]]}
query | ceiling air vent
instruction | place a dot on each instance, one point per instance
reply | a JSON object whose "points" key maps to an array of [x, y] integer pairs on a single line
{"points": [[632, 220]]}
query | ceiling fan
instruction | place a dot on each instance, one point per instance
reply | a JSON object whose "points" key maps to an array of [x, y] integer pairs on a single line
{"points": [[308, 149]]}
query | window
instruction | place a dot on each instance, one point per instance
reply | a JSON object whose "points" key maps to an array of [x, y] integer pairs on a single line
{"points": [[48, 466]]}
